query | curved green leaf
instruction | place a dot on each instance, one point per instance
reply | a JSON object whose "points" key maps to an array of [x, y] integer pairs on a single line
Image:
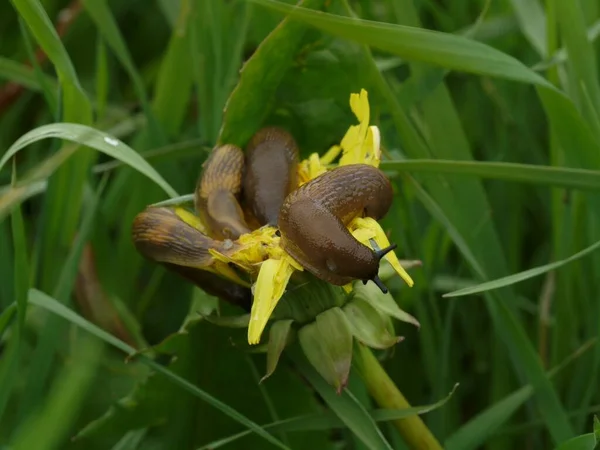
{"points": [[522, 276], [90, 137], [526, 173], [251, 100]]}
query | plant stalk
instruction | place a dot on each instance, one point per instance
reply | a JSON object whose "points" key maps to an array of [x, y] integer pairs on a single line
{"points": [[387, 395]]}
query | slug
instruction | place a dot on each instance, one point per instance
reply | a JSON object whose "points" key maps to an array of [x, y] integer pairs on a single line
{"points": [[271, 173], [313, 221], [160, 235], [217, 192]]}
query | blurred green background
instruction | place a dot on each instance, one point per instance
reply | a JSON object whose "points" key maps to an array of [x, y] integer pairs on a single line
{"points": [[505, 81]]}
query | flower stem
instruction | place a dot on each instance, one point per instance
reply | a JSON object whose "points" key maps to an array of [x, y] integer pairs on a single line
{"points": [[387, 395]]}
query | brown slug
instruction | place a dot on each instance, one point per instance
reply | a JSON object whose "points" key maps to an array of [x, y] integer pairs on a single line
{"points": [[217, 192], [271, 173], [160, 235], [313, 221]]}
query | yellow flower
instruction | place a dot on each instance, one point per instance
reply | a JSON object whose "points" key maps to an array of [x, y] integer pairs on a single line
{"points": [[259, 253]]}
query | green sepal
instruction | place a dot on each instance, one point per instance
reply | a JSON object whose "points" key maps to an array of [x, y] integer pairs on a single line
{"points": [[369, 326], [384, 303], [280, 334], [327, 344]]}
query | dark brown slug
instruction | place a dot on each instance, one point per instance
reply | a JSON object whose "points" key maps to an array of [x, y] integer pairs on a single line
{"points": [[160, 235], [271, 173], [217, 193], [313, 221]]}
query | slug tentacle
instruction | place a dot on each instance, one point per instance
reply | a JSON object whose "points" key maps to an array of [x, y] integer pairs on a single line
{"points": [[217, 193], [313, 223], [271, 173]]}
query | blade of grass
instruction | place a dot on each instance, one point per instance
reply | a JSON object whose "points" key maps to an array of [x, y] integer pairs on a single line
{"points": [[25, 76], [42, 300], [106, 24], [328, 421], [174, 81], [48, 428], [532, 21], [522, 276], [49, 338], [346, 407], [526, 173], [9, 374], [475, 432], [93, 138], [582, 56]]}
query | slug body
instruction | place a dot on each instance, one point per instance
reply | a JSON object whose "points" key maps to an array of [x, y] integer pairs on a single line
{"points": [[271, 173], [218, 190], [314, 217], [160, 235]]}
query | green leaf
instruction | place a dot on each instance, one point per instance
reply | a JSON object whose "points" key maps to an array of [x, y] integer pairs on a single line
{"points": [[279, 336], [327, 344], [252, 99], [42, 300], [522, 276], [525, 173], [90, 137]]}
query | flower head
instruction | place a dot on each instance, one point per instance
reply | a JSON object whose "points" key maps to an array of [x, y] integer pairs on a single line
{"points": [[258, 260], [259, 252]]}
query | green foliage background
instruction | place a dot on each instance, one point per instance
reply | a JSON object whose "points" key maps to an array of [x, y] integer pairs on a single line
{"points": [[491, 128]]}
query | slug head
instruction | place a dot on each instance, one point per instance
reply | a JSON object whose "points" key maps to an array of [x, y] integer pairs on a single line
{"points": [[375, 279], [224, 215]]}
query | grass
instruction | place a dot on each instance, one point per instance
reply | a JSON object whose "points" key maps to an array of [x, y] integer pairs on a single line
{"points": [[490, 122]]}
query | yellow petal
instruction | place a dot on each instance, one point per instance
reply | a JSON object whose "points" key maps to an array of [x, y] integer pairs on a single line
{"points": [[367, 228], [347, 288], [224, 269], [191, 219], [359, 103], [352, 145], [316, 168], [270, 285]]}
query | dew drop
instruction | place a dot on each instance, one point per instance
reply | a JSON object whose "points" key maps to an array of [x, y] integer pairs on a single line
{"points": [[111, 141]]}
